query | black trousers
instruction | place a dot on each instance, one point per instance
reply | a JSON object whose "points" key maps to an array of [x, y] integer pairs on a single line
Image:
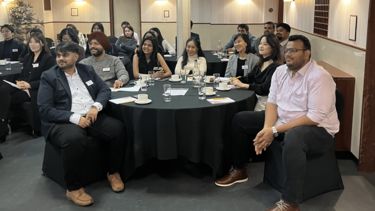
{"points": [[72, 140], [9, 96], [297, 143]]}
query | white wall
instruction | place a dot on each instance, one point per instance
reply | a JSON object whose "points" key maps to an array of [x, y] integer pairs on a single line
{"points": [[346, 58], [339, 12]]}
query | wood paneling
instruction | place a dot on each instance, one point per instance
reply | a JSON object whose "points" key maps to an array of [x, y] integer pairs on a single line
{"points": [[367, 148], [345, 85]]}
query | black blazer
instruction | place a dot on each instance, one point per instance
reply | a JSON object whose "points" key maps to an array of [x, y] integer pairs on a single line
{"points": [[31, 71], [55, 99], [15, 51]]}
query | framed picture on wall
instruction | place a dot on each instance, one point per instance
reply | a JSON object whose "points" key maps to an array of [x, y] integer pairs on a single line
{"points": [[353, 27], [73, 11]]}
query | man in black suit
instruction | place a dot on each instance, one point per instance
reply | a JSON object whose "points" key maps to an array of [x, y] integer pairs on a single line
{"points": [[70, 98], [10, 48]]}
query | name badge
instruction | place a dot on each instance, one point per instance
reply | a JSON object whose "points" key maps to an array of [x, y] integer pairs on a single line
{"points": [[35, 65], [155, 68], [106, 69], [14, 50], [89, 83], [245, 67]]}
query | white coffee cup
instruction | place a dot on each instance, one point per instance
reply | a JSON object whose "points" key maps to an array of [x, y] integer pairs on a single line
{"points": [[175, 77], [209, 90], [223, 85], [3, 62], [142, 97]]}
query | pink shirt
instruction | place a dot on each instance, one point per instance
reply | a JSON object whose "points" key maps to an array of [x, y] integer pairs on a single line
{"points": [[310, 92]]}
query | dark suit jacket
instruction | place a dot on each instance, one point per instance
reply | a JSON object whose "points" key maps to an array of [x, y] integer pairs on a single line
{"points": [[13, 54], [55, 99]]}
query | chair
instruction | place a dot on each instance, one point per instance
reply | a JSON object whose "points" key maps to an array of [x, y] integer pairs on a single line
{"points": [[50, 42], [322, 172], [95, 159]]}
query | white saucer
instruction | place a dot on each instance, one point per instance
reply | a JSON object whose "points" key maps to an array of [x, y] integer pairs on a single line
{"points": [[180, 79], [142, 102], [220, 89]]}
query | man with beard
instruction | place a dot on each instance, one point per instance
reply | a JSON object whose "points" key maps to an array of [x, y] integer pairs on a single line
{"points": [[269, 28], [70, 99], [300, 113], [282, 33], [109, 68]]}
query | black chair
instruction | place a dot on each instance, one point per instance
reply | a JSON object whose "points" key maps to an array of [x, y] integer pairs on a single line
{"points": [[322, 172], [1, 156], [95, 158], [50, 42]]}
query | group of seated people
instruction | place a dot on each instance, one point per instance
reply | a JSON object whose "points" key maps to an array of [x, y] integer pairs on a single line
{"points": [[295, 100]]}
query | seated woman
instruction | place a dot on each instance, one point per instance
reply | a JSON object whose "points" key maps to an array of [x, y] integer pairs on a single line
{"points": [[126, 44], [35, 63], [147, 58], [193, 55], [152, 34], [242, 62], [168, 48], [70, 35], [81, 37], [97, 27], [259, 79]]}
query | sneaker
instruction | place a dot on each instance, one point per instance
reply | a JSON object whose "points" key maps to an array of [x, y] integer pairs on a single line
{"points": [[284, 206], [234, 176]]}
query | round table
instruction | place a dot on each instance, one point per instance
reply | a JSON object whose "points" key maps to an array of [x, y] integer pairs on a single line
{"points": [[185, 127]]}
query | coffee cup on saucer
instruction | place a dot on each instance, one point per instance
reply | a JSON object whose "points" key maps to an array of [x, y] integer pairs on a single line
{"points": [[209, 90], [3, 62], [175, 77], [223, 86], [142, 97]]}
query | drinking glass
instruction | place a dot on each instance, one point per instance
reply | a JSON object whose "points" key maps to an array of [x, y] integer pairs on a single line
{"points": [[217, 79], [201, 91], [183, 76], [167, 93], [151, 78]]}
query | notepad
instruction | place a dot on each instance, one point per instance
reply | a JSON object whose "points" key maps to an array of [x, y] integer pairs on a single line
{"points": [[220, 100], [123, 100], [127, 89], [178, 91]]}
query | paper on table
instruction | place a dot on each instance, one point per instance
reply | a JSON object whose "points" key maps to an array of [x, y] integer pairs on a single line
{"points": [[127, 89], [178, 91], [15, 85], [224, 59], [123, 100], [220, 100]]}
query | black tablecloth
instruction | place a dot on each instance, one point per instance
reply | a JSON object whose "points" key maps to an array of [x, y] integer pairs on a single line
{"points": [[10, 69], [214, 64], [186, 127]]}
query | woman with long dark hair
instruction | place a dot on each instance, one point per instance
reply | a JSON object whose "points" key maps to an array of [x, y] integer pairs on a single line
{"points": [[70, 35], [148, 58], [166, 46], [35, 63], [192, 55], [259, 79], [126, 44]]}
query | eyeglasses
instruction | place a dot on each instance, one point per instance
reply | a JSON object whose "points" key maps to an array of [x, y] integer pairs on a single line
{"points": [[293, 50]]}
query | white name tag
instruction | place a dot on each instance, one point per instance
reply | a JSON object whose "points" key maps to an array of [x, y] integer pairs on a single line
{"points": [[106, 69], [15, 50], [35, 65], [245, 67], [89, 83]]}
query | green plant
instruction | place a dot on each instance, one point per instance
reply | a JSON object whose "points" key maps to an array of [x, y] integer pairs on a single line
{"points": [[21, 16]]}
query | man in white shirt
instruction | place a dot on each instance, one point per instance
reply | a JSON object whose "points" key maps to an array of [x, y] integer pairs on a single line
{"points": [[70, 99], [300, 113]]}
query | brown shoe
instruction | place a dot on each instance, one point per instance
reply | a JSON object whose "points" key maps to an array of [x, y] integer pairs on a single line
{"points": [[116, 183], [234, 176], [284, 206], [80, 197]]}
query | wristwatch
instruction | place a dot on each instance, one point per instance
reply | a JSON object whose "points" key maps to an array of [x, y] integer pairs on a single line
{"points": [[274, 132]]}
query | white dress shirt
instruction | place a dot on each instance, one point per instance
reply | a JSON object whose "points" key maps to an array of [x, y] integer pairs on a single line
{"points": [[310, 92], [81, 98]]}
